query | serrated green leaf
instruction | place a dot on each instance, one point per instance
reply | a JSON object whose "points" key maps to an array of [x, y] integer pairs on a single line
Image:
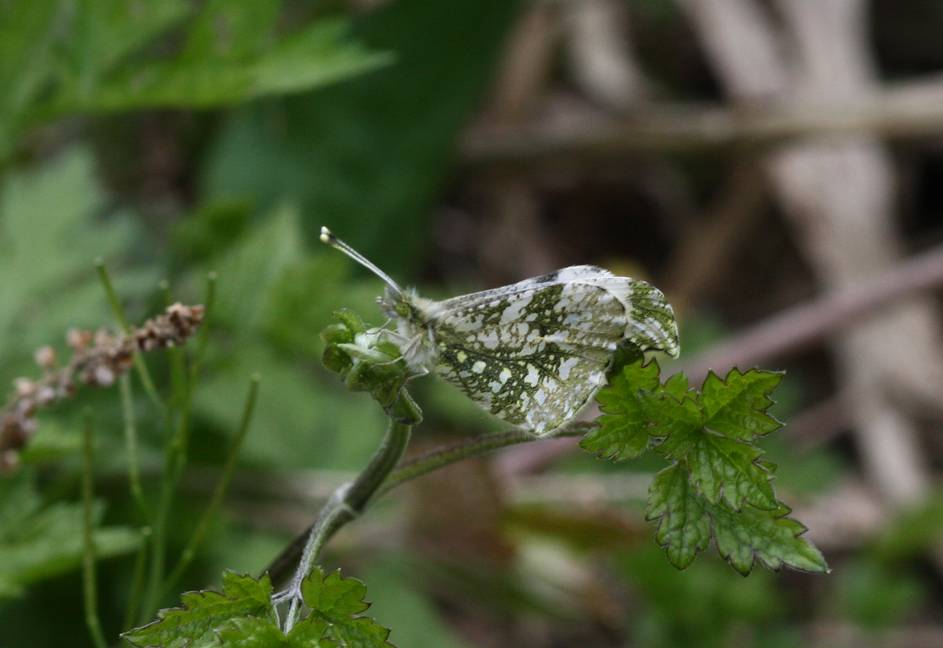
{"points": [[204, 612], [686, 522], [333, 596], [256, 632], [678, 387], [39, 542], [737, 405], [28, 33], [683, 526], [361, 632], [315, 56], [231, 29], [337, 600], [722, 468], [373, 152], [776, 540], [623, 430], [106, 31], [719, 485]]}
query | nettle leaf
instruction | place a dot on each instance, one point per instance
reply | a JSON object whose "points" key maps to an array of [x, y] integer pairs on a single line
{"points": [[686, 523], [718, 484], [722, 468], [338, 602], [638, 409], [623, 431], [204, 612], [257, 632], [737, 405], [683, 526], [776, 540]]}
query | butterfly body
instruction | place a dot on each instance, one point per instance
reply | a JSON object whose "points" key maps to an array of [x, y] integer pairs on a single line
{"points": [[535, 352]]}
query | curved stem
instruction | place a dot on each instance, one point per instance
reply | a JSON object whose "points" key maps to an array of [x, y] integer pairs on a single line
{"points": [[350, 499], [424, 464], [90, 594], [474, 447]]}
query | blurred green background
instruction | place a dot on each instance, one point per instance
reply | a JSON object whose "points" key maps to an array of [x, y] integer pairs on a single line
{"points": [[457, 145]]}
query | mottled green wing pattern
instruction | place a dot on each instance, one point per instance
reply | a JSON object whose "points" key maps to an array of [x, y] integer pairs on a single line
{"points": [[533, 353]]}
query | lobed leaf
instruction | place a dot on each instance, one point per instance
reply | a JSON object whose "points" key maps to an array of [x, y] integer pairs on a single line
{"points": [[737, 405], [722, 468], [204, 612], [337, 601], [257, 632], [718, 484], [776, 540], [683, 526], [623, 431]]}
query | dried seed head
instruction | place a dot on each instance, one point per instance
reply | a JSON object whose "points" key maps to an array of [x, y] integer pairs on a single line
{"points": [[45, 357], [9, 460], [78, 340], [171, 328], [104, 377], [102, 337], [23, 387], [97, 359], [45, 395]]}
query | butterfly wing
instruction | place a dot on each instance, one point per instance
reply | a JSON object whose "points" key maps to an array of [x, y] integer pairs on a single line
{"points": [[533, 353]]}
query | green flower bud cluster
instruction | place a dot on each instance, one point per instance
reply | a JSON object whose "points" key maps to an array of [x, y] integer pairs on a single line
{"points": [[365, 358]]}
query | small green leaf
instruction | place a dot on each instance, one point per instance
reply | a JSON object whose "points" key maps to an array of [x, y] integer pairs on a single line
{"points": [[736, 406], [256, 632], [770, 536], [337, 601], [722, 468], [683, 526], [204, 612], [718, 485], [623, 431], [334, 597], [351, 320]]}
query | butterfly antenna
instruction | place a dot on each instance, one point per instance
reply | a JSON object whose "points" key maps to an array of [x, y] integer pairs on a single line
{"points": [[328, 238]]}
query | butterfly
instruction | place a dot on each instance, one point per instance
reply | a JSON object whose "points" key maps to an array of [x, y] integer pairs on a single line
{"points": [[532, 353]]}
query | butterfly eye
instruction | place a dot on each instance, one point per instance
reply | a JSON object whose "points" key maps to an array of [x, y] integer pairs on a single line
{"points": [[401, 308]]}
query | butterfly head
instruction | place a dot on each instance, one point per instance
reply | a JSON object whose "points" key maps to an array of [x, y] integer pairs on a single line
{"points": [[395, 302]]}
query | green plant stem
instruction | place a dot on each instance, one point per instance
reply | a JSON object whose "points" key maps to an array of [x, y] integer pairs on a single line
{"points": [[430, 462], [88, 557], [156, 562], [136, 592], [350, 499], [131, 444], [219, 491], [175, 459], [203, 336], [474, 447], [139, 366]]}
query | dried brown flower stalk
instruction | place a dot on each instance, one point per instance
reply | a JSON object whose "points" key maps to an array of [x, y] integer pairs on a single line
{"points": [[98, 359]]}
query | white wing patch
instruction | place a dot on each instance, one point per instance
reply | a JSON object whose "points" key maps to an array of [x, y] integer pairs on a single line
{"points": [[534, 353]]}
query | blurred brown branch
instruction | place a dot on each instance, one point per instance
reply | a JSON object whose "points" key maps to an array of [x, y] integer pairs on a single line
{"points": [[808, 323], [838, 195], [910, 110]]}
